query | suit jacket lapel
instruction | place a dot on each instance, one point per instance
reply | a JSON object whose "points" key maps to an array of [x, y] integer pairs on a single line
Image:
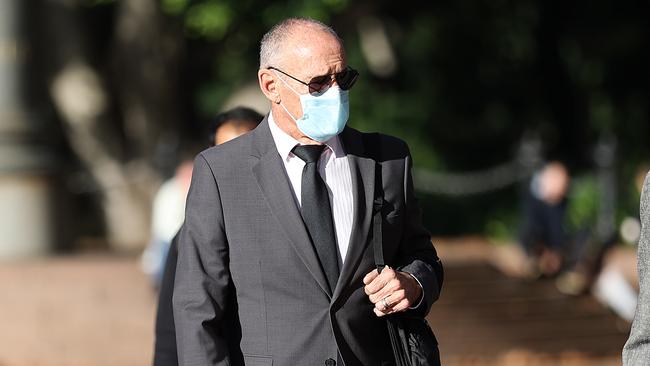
{"points": [[362, 169], [271, 177]]}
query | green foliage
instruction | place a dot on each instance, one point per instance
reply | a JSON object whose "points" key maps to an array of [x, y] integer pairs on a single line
{"points": [[209, 19], [502, 222], [602, 113], [174, 7], [501, 230], [583, 204]]}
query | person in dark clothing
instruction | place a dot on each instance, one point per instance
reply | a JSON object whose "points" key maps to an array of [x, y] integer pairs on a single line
{"points": [[543, 234], [224, 127]]}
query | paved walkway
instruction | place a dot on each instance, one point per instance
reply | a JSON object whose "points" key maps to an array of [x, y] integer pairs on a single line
{"points": [[484, 318], [96, 310], [75, 311], [487, 318]]}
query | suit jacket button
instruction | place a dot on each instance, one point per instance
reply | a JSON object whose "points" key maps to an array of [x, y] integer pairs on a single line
{"points": [[330, 362]]}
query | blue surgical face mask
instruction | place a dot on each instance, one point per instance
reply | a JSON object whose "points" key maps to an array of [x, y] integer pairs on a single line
{"points": [[323, 116]]}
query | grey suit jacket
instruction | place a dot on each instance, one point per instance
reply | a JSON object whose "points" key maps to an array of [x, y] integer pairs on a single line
{"points": [[249, 288], [637, 348]]}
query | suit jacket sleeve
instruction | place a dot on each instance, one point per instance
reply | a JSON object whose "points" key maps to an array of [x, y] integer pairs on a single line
{"points": [[637, 348], [202, 276], [417, 255]]}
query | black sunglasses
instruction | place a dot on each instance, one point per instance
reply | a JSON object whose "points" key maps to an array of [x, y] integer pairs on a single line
{"points": [[345, 79]]}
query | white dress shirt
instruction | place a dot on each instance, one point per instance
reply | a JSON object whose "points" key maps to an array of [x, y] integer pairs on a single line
{"points": [[334, 168]]}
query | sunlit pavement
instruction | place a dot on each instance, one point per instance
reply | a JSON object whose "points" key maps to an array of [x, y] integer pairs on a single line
{"points": [[487, 318], [87, 310], [75, 310]]}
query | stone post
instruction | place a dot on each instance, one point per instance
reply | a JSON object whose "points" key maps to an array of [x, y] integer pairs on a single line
{"points": [[26, 228]]}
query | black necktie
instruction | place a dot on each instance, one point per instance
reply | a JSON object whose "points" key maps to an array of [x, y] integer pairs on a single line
{"points": [[317, 211]]}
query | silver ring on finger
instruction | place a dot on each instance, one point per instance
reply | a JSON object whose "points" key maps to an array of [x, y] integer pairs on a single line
{"points": [[384, 303]]}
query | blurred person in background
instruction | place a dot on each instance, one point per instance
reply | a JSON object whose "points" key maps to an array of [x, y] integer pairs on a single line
{"points": [[598, 264], [167, 216], [543, 234], [274, 263], [225, 127], [636, 351], [232, 123]]}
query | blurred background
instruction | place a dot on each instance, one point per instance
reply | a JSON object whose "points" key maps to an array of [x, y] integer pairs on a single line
{"points": [[101, 100]]}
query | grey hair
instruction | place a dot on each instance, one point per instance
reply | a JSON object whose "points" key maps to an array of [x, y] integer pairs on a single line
{"points": [[272, 42]]}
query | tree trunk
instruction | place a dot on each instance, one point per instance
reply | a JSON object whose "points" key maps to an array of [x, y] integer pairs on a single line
{"points": [[79, 94], [147, 59]]}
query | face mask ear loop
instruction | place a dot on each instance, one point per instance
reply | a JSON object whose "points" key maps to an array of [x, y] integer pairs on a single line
{"points": [[295, 92], [287, 111], [285, 83]]}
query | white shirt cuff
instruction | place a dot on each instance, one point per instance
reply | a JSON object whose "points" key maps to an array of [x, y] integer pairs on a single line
{"points": [[421, 295]]}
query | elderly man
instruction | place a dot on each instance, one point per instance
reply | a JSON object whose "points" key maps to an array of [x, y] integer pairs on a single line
{"points": [[276, 261], [637, 348]]}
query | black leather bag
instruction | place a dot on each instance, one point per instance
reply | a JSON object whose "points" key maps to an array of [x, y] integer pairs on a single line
{"points": [[413, 342]]}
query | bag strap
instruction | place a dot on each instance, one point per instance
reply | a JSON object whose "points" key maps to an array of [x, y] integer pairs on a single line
{"points": [[377, 242], [372, 145]]}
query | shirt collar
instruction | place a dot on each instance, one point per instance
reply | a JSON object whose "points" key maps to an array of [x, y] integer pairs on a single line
{"points": [[285, 143]]}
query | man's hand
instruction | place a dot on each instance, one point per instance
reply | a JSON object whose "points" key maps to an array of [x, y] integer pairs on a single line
{"points": [[391, 291]]}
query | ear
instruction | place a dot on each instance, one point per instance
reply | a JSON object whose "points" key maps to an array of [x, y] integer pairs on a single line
{"points": [[268, 85]]}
